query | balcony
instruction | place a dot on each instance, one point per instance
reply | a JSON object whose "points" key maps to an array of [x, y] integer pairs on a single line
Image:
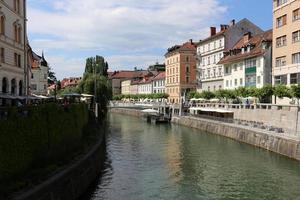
{"points": [[250, 70]]}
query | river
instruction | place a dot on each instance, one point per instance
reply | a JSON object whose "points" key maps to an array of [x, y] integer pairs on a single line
{"points": [[153, 162]]}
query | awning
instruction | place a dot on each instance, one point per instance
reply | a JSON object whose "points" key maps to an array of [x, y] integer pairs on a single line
{"points": [[210, 110], [150, 111]]}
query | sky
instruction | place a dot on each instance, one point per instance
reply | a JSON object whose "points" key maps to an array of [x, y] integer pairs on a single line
{"points": [[128, 33]]}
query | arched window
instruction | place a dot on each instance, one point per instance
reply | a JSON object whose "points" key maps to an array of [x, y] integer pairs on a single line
{"points": [[13, 86], [20, 88], [2, 25], [17, 32], [4, 85]]}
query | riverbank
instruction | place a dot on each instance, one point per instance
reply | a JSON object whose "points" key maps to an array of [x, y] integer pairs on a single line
{"points": [[278, 143]]}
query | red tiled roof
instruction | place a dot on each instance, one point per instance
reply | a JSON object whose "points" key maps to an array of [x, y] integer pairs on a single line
{"points": [[188, 46], [256, 41], [214, 36], [161, 75], [128, 74]]}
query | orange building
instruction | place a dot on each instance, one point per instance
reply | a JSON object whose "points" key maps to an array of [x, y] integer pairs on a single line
{"points": [[180, 70]]}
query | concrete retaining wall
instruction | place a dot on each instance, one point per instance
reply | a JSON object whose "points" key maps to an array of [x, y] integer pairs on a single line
{"points": [[72, 182], [131, 112], [277, 144]]}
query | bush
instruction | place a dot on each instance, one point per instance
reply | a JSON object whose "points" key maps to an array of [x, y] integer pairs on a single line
{"points": [[46, 135]]}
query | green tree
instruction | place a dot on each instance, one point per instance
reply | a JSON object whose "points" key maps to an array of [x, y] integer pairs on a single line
{"points": [[207, 95], [282, 91], [265, 93]]}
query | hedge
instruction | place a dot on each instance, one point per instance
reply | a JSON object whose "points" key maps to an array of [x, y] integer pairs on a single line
{"points": [[45, 135]]}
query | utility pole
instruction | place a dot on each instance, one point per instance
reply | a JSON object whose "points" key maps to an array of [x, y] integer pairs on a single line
{"points": [[95, 89]]}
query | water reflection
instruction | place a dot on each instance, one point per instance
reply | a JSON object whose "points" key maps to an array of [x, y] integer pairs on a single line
{"points": [[173, 162]]}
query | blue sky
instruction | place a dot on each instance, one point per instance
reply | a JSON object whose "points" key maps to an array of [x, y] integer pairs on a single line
{"points": [[128, 33]]}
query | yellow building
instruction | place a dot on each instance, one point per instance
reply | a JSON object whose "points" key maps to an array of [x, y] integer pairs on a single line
{"points": [[125, 87], [286, 43], [180, 63]]}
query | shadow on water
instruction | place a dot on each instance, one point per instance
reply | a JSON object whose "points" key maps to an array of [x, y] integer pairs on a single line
{"points": [[101, 179]]}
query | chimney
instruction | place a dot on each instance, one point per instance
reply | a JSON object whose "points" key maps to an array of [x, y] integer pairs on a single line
{"points": [[232, 23], [247, 37], [213, 31], [191, 41], [223, 27]]}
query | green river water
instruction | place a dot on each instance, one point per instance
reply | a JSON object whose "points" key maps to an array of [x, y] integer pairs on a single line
{"points": [[153, 162]]}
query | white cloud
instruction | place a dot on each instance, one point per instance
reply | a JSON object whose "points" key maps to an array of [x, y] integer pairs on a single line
{"points": [[121, 26]]}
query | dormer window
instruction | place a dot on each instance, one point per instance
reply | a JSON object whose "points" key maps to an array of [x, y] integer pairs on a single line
{"points": [[243, 50]]}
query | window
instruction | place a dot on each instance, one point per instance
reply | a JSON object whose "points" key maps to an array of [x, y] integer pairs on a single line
{"points": [[187, 69], [296, 14], [214, 88], [235, 67], [295, 78], [208, 88], [17, 60], [208, 60], [45, 76], [280, 2], [281, 21], [208, 73], [2, 55], [250, 63], [227, 83], [220, 71], [214, 72], [220, 43], [296, 58], [2, 25], [17, 32], [258, 80], [215, 45], [296, 36], [281, 79], [241, 66], [209, 47], [241, 81], [17, 6], [280, 61], [281, 41], [235, 82], [187, 59], [187, 79]]}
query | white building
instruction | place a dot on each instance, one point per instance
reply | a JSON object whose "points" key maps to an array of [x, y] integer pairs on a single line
{"points": [[13, 54], [145, 86], [158, 83], [249, 62], [210, 52], [39, 75]]}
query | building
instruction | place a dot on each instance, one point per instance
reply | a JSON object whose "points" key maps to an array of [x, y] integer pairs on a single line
{"points": [[145, 86], [134, 87], [13, 48], [125, 87], [249, 62], [70, 82], [157, 67], [286, 45], [117, 77], [210, 51], [159, 83], [180, 70], [39, 74]]}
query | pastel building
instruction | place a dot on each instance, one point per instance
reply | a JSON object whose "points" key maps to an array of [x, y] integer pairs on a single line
{"points": [[286, 45], [13, 48], [210, 51], [159, 83], [180, 63], [249, 62], [125, 87]]}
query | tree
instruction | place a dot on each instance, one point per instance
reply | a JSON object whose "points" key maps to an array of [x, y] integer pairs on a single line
{"points": [[51, 76], [282, 91], [265, 93], [207, 95], [296, 91], [241, 92]]}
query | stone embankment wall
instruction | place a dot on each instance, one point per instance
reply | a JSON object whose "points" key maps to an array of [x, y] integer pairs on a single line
{"points": [[131, 112], [272, 142], [72, 182]]}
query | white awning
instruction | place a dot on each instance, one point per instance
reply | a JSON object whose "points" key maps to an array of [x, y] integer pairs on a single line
{"points": [[217, 110], [150, 111]]}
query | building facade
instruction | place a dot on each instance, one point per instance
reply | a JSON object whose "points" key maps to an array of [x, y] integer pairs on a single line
{"points": [[145, 86], [70, 82], [13, 48], [125, 87], [159, 83], [180, 63], [286, 45], [210, 51], [249, 62], [39, 75]]}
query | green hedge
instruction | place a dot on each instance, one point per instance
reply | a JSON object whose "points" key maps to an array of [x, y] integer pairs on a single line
{"points": [[45, 136]]}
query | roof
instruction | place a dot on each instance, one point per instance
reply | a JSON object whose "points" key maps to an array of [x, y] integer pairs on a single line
{"points": [[161, 75], [128, 74], [220, 33], [188, 46], [256, 43]]}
